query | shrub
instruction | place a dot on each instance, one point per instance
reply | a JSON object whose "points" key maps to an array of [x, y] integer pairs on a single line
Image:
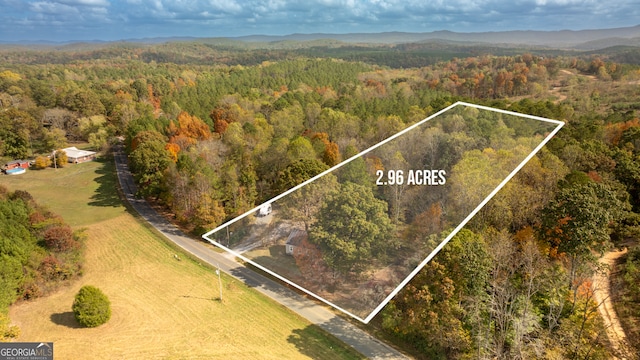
{"points": [[42, 162], [91, 307], [7, 331], [61, 158], [59, 238]]}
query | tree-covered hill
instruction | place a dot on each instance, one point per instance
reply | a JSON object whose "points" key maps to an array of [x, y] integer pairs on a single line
{"points": [[248, 52], [213, 131]]}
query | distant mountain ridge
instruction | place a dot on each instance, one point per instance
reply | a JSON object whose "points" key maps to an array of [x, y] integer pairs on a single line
{"points": [[565, 39], [583, 39]]}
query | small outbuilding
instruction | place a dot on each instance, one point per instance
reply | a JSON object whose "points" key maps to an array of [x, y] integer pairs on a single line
{"points": [[296, 237], [76, 156]]}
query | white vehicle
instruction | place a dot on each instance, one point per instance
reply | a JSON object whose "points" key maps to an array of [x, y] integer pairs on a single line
{"points": [[264, 210]]}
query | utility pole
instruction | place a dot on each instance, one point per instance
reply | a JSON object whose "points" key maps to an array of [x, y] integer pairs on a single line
{"points": [[219, 281]]}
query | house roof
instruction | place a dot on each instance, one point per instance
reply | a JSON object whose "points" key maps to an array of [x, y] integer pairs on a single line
{"points": [[74, 152], [13, 163], [296, 236]]}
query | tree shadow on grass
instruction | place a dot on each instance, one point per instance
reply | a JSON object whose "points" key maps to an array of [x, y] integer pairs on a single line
{"points": [[318, 344], [107, 192], [66, 319]]}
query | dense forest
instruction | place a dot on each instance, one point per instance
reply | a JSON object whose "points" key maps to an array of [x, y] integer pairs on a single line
{"points": [[213, 136], [397, 211]]}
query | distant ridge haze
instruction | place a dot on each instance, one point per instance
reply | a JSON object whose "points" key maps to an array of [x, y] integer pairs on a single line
{"points": [[562, 38], [579, 39]]}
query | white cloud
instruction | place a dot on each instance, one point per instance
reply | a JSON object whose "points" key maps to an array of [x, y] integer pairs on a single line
{"points": [[66, 14], [52, 8], [226, 6], [99, 3], [563, 2], [148, 18]]}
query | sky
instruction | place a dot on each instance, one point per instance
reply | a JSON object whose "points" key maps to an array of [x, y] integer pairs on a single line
{"points": [[67, 20]]}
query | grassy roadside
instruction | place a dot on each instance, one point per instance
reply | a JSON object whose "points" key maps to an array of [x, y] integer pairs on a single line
{"points": [[162, 307]]}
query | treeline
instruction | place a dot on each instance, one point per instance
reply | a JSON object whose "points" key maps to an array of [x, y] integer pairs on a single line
{"points": [[229, 52], [38, 251]]}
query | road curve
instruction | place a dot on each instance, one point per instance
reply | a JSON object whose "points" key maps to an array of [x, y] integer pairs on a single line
{"points": [[310, 310]]}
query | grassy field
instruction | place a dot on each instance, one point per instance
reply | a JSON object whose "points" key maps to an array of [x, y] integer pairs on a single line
{"points": [[275, 259], [162, 307]]}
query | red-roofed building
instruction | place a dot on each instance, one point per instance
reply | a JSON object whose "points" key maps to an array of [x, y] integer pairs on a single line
{"points": [[16, 164]]}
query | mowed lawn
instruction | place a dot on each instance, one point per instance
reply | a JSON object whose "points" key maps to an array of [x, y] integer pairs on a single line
{"points": [[162, 308]]}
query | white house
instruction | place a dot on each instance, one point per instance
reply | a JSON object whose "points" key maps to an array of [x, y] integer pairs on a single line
{"points": [[74, 155]]}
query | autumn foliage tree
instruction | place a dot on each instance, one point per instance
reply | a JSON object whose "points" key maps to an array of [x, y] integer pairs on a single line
{"points": [[430, 311], [427, 223], [173, 150], [42, 162], [613, 132], [577, 221], [222, 116], [60, 238], [429, 316], [329, 151], [61, 158], [188, 130]]}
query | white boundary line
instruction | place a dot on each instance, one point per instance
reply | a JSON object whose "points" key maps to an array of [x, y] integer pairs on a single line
{"points": [[373, 313], [478, 208]]}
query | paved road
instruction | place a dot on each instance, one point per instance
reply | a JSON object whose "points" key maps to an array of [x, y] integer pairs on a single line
{"points": [[312, 311]]}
